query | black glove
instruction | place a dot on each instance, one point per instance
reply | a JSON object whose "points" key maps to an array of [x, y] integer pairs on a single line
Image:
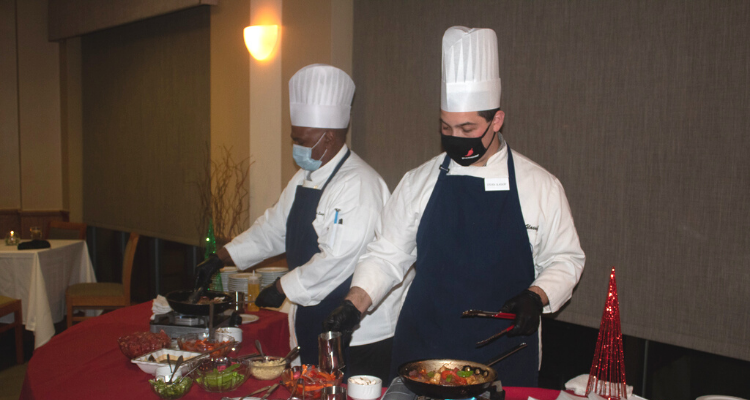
{"points": [[528, 309], [205, 270], [270, 297], [343, 319]]}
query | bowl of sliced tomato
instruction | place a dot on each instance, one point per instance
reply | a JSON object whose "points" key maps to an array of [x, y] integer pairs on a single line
{"points": [[307, 381], [221, 345]]}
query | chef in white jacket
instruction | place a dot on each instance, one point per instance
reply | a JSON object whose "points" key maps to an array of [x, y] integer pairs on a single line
{"points": [[488, 228], [323, 220]]}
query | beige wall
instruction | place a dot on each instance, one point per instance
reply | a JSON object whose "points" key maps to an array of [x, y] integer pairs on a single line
{"points": [[266, 131], [10, 173], [38, 110]]}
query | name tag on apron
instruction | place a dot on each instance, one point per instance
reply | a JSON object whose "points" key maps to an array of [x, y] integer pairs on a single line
{"points": [[496, 184]]}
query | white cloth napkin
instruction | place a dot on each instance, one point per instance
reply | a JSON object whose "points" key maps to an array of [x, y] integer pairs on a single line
{"points": [[160, 306], [579, 383]]}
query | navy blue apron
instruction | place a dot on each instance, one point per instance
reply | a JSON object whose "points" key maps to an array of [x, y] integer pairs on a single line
{"points": [[301, 246], [473, 252]]}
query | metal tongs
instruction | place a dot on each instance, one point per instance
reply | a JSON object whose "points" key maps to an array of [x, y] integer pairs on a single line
{"points": [[488, 314]]}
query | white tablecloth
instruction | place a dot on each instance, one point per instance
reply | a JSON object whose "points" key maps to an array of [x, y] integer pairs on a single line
{"points": [[39, 278]]}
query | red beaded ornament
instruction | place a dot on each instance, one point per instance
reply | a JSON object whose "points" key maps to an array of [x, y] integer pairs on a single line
{"points": [[607, 376]]}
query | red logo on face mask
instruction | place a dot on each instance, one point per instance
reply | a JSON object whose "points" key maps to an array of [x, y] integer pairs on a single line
{"points": [[471, 151]]}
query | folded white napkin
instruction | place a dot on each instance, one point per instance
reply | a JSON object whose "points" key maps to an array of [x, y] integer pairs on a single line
{"points": [[579, 383], [160, 305]]}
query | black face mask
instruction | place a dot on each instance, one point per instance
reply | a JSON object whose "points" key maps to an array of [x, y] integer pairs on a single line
{"points": [[465, 151]]}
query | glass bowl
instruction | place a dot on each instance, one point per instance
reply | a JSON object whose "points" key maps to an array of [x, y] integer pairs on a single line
{"points": [[171, 391], [200, 343], [221, 374], [313, 381], [267, 368]]}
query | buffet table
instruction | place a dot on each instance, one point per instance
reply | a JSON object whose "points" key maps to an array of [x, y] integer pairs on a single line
{"points": [[39, 278], [85, 361]]}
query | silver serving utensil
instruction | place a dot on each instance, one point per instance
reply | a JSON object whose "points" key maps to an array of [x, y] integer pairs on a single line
{"points": [[198, 361], [260, 348], [268, 393], [296, 384], [292, 353], [254, 392], [176, 367], [211, 329]]}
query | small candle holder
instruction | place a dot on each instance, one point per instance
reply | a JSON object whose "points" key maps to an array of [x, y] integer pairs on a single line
{"points": [[12, 239]]}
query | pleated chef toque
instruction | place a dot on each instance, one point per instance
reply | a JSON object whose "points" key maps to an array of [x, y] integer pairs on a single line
{"points": [[471, 76], [320, 96]]}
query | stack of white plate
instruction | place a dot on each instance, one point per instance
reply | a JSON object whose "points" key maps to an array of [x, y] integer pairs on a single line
{"points": [[268, 275], [238, 282], [226, 272]]}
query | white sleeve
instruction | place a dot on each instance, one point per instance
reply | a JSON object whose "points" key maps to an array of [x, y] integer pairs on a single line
{"points": [[340, 244], [267, 236], [559, 258], [389, 257]]}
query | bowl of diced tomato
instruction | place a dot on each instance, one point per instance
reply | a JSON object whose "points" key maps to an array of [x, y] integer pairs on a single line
{"points": [[312, 383], [201, 343]]}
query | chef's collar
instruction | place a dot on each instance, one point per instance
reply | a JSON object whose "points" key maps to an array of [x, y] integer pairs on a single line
{"points": [[494, 168], [316, 179]]}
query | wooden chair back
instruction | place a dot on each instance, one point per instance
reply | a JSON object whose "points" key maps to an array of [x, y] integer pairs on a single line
{"points": [[66, 230], [127, 263]]}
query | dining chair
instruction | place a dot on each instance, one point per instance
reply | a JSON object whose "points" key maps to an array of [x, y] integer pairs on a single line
{"points": [[102, 295], [7, 306], [66, 230]]}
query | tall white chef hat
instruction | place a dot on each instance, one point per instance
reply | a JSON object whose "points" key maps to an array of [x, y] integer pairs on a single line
{"points": [[320, 96], [471, 76]]}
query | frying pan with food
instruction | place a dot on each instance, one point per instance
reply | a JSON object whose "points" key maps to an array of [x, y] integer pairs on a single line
{"points": [[486, 375], [178, 300]]}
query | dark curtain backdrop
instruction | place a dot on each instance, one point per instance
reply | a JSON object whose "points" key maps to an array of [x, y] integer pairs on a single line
{"points": [[640, 108], [146, 124]]}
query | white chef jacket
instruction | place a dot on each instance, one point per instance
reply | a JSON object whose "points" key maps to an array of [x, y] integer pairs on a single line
{"points": [[556, 251], [358, 193]]}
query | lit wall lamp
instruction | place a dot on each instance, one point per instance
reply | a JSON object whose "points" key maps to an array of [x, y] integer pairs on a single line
{"points": [[261, 40]]}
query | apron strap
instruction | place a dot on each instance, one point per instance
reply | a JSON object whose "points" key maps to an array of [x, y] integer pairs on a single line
{"points": [[444, 167], [335, 170]]}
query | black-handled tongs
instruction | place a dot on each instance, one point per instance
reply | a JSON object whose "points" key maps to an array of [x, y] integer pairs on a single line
{"points": [[489, 314]]}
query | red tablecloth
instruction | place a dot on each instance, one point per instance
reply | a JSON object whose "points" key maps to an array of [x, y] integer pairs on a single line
{"points": [[85, 361]]}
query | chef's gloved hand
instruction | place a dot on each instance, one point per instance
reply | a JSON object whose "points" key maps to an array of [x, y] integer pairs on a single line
{"points": [[343, 319], [270, 296], [528, 309], [205, 270]]}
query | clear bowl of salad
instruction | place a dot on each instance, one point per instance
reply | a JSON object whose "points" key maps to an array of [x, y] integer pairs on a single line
{"points": [[221, 374], [175, 390]]}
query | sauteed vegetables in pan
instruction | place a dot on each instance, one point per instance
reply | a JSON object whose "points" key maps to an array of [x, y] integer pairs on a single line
{"points": [[445, 376]]}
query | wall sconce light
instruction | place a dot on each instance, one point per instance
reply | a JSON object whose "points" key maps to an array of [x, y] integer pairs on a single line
{"points": [[261, 40]]}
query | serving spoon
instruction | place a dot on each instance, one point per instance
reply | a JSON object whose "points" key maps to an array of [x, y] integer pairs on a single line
{"points": [[260, 349]]}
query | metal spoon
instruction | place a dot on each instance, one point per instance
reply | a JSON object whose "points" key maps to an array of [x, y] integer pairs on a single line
{"points": [[188, 373], [176, 368], [292, 353], [260, 349]]}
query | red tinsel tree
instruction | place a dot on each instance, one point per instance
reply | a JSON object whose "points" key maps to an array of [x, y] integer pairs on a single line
{"points": [[607, 376]]}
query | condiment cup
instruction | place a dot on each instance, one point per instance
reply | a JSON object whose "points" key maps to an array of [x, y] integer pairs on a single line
{"points": [[235, 333], [364, 387]]}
